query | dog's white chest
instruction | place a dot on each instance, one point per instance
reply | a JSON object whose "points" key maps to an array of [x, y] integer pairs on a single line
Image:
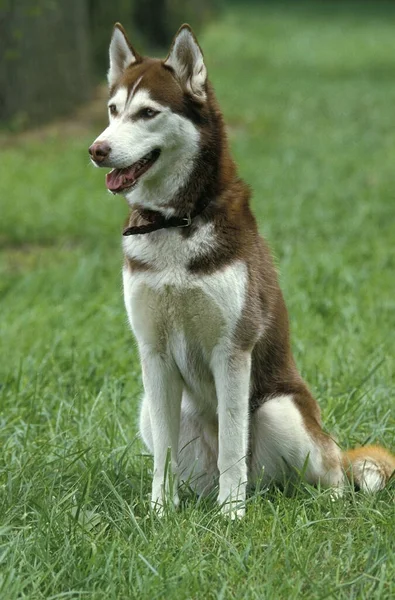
{"points": [[158, 315], [185, 316]]}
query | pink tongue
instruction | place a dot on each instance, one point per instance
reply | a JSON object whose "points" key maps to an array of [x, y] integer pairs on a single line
{"points": [[119, 178]]}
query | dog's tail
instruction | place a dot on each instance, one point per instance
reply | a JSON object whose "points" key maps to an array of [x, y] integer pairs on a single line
{"points": [[369, 468]]}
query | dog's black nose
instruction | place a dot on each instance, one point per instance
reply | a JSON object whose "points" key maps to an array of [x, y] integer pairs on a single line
{"points": [[99, 151]]}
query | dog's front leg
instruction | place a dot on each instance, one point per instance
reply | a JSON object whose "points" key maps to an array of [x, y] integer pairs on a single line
{"points": [[232, 380], [163, 388]]}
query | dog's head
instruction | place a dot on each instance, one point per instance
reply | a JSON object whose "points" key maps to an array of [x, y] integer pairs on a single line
{"points": [[155, 109]]}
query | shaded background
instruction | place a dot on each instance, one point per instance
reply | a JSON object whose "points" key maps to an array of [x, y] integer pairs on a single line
{"points": [[53, 52]]}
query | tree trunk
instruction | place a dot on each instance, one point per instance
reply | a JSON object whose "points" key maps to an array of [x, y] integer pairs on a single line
{"points": [[45, 63]]}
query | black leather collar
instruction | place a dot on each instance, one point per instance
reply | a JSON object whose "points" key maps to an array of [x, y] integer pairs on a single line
{"points": [[158, 221]]}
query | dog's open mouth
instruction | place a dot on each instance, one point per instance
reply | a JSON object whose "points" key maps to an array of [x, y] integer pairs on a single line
{"points": [[118, 180]]}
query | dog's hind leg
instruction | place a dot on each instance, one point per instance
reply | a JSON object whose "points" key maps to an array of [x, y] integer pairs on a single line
{"points": [[198, 454], [287, 441], [197, 451]]}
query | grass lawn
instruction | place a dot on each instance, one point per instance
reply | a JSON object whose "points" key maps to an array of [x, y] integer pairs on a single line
{"points": [[309, 95]]}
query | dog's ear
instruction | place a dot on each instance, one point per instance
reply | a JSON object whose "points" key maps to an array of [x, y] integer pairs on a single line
{"points": [[186, 60], [122, 54]]}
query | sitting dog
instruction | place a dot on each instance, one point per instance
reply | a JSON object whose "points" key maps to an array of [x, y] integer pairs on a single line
{"points": [[224, 402]]}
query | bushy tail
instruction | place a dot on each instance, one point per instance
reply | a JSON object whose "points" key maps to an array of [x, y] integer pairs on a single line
{"points": [[370, 468]]}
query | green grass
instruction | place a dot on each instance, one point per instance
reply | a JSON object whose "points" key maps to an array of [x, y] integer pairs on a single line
{"points": [[309, 95]]}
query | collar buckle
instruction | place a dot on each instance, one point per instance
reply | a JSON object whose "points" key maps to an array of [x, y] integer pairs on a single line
{"points": [[186, 221]]}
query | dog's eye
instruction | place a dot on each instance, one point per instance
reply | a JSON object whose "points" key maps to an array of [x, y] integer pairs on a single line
{"points": [[148, 113], [113, 109]]}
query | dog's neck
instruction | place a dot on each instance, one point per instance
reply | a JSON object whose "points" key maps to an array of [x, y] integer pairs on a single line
{"points": [[155, 220], [190, 189]]}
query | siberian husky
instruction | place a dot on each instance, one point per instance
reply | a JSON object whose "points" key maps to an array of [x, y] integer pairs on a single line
{"points": [[223, 397]]}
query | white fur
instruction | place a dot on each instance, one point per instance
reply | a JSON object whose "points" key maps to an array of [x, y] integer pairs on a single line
{"points": [[186, 59], [232, 381], [168, 252], [121, 56], [282, 448], [370, 477], [131, 138], [281, 443], [184, 325], [119, 101]]}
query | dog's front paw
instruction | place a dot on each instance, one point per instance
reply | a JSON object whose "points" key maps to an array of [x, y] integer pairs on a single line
{"points": [[231, 498], [158, 507], [232, 505], [233, 510], [162, 500]]}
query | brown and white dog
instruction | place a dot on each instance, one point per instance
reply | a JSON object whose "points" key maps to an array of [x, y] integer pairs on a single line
{"points": [[222, 391]]}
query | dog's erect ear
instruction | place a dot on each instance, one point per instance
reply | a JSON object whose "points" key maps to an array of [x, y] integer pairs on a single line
{"points": [[186, 59], [122, 54]]}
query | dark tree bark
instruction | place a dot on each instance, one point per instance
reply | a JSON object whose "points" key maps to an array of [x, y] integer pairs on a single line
{"points": [[44, 59], [52, 50]]}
